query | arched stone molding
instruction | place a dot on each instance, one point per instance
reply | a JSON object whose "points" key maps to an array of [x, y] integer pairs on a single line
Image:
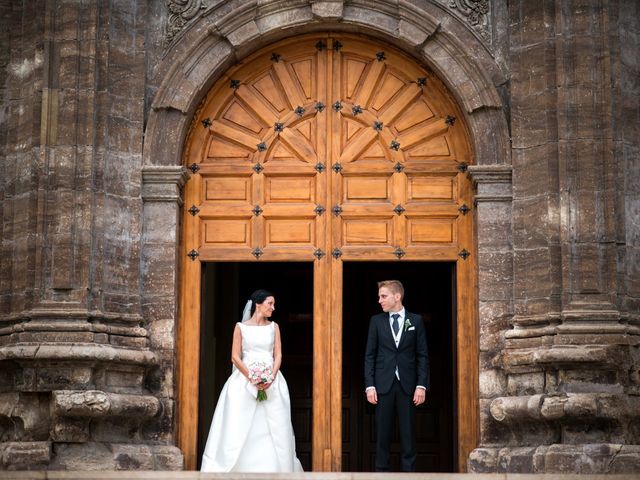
{"points": [[226, 33], [229, 31]]}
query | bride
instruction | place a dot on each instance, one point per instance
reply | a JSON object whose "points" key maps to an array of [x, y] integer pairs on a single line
{"points": [[251, 433]]}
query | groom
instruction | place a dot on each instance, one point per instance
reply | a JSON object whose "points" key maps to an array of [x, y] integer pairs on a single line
{"points": [[396, 372]]}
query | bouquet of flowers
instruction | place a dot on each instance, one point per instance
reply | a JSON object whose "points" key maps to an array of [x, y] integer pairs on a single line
{"points": [[260, 373]]}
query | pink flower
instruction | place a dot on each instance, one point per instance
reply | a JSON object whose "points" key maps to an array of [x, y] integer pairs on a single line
{"points": [[260, 374]]}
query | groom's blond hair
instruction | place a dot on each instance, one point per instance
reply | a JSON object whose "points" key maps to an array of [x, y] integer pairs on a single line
{"points": [[394, 286]]}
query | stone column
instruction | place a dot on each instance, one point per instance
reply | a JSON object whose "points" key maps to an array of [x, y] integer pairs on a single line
{"points": [[571, 355], [70, 324]]}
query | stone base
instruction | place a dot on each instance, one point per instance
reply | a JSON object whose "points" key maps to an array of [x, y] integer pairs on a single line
{"points": [[88, 456], [598, 458]]}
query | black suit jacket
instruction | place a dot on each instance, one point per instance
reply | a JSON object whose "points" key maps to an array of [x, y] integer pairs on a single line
{"points": [[382, 356]]}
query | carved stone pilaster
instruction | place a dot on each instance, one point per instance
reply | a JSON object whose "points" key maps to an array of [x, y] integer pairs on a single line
{"points": [[495, 253]]}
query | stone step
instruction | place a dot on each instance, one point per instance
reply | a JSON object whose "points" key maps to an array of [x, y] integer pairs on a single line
{"points": [[155, 475]]}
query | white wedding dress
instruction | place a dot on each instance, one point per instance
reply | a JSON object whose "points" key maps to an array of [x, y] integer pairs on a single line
{"points": [[247, 435]]}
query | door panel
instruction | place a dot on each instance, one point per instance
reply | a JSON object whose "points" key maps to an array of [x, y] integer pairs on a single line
{"points": [[326, 148]]}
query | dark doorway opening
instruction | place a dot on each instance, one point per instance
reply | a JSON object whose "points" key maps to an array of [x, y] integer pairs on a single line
{"points": [[429, 291], [226, 286]]}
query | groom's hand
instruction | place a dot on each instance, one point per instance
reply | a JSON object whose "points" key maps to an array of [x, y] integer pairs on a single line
{"points": [[419, 396], [372, 396]]}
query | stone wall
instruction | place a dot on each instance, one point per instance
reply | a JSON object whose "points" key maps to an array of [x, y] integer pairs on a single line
{"points": [[560, 389], [95, 102], [80, 386]]}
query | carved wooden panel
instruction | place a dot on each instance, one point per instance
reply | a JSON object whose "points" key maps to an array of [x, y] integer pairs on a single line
{"points": [[422, 231], [290, 189], [367, 231], [227, 232], [289, 232], [432, 187], [227, 189], [369, 188]]}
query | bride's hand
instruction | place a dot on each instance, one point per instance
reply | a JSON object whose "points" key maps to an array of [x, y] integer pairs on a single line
{"points": [[264, 386]]}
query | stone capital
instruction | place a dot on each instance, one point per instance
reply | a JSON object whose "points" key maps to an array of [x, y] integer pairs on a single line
{"points": [[490, 173], [493, 182], [163, 183]]}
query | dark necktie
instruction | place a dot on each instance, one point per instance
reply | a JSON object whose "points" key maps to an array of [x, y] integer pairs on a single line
{"points": [[396, 325]]}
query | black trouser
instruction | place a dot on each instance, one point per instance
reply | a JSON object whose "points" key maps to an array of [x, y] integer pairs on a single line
{"points": [[395, 402]]}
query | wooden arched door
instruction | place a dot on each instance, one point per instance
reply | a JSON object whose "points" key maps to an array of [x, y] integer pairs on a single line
{"points": [[328, 148]]}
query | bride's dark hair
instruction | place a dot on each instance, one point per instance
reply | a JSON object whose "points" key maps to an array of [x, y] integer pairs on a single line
{"points": [[258, 297]]}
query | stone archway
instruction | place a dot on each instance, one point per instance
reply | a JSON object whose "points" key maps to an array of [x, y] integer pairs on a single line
{"points": [[214, 42]]}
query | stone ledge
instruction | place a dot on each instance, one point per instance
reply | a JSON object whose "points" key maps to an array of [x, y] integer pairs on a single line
{"points": [[101, 459], [96, 403], [70, 314], [565, 356], [577, 407], [76, 352], [559, 461], [159, 475]]}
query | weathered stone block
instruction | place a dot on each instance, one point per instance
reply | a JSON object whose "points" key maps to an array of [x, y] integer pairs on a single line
{"points": [[158, 307], [494, 321], [159, 274], [516, 460], [585, 459], [82, 457], [380, 20], [161, 219], [71, 430], [627, 460], [243, 33], [483, 460], [126, 341], [493, 383], [132, 457], [494, 226], [25, 455], [531, 272], [327, 9], [284, 19], [122, 379], [160, 429], [162, 334], [495, 275], [167, 458], [27, 413], [53, 377], [526, 383]]}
